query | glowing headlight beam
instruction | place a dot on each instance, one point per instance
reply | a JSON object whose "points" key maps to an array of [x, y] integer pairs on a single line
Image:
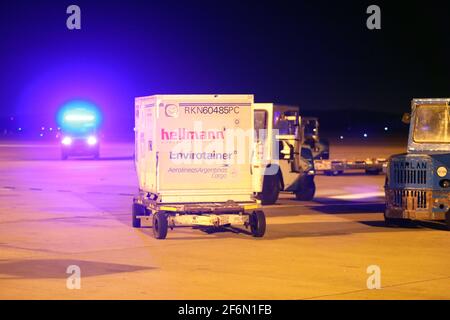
{"points": [[92, 140], [66, 141]]}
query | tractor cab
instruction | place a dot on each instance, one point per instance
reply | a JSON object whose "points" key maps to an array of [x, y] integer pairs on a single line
{"points": [[288, 164], [418, 182], [319, 146]]}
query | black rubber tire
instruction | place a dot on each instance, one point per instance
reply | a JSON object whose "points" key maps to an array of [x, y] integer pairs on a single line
{"points": [[137, 210], [160, 225], [447, 220], [258, 224], [373, 172], [333, 172], [325, 155], [271, 190], [396, 222], [307, 190]]}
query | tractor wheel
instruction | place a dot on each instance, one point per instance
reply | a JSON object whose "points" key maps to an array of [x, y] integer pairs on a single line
{"points": [[447, 220], [396, 222], [271, 189], [306, 190]]}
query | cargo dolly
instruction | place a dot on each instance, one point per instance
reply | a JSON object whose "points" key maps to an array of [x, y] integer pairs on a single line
{"points": [[163, 216], [179, 184], [371, 166]]}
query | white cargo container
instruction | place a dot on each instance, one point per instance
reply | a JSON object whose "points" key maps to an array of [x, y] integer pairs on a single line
{"points": [[193, 157]]}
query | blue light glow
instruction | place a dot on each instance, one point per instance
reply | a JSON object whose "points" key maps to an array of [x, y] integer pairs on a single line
{"points": [[79, 116]]}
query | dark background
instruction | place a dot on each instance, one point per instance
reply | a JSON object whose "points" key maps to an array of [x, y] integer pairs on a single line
{"points": [[316, 54]]}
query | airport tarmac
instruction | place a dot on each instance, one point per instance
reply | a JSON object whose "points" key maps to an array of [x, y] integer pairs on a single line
{"points": [[55, 214]]}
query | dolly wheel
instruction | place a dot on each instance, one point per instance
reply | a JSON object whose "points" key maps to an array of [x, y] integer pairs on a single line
{"points": [[137, 210], [160, 225], [258, 224]]}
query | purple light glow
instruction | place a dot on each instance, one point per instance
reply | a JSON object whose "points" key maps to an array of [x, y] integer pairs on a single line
{"points": [[93, 81]]}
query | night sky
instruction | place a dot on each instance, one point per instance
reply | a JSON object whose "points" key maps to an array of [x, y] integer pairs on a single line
{"points": [[319, 55]]}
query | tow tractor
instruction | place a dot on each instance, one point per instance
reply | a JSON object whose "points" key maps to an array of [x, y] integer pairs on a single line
{"points": [[79, 132], [288, 164], [418, 182], [192, 158]]}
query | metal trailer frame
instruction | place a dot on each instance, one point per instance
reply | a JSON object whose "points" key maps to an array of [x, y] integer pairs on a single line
{"points": [[371, 166], [204, 214]]}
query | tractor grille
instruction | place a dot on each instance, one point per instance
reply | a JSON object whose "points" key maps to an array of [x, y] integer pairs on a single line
{"points": [[409, 176], [412, 172], [410, 199]]}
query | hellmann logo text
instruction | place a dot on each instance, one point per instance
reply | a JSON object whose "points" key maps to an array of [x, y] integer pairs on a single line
{"points": [[185, 134]]}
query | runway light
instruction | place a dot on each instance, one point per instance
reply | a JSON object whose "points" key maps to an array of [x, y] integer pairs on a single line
{"points": [[41, 135], [92, 140], [20, 129], [341, 137], [42, 128], [66, 141], [365, 135], [50, 129], [386, 128]]}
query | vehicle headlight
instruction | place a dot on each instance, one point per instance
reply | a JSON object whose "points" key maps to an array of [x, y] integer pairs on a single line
{"points": [[66, 141], [92, 140], [441, 171]]}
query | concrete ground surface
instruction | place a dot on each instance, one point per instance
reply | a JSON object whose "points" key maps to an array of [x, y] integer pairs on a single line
{"points": [[55, 213]]}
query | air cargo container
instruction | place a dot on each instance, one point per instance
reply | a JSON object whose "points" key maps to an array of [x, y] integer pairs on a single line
{"points": [[194, 156]]}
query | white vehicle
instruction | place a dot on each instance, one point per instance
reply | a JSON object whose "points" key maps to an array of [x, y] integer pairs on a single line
{"points": [[193, 161], [287, 164]]}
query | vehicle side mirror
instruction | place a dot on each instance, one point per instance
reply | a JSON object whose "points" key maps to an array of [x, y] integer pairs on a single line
{"points": [[406, 118]]}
